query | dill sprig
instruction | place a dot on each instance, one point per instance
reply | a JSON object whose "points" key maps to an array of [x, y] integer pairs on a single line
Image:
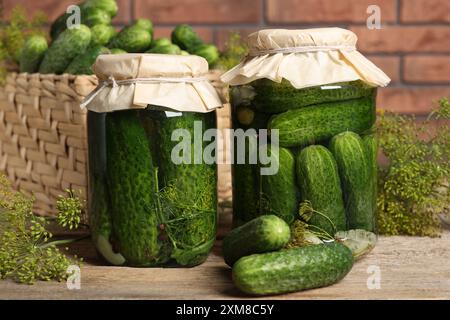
{"points": [[305, 234], [27, 253], [414, 185]]}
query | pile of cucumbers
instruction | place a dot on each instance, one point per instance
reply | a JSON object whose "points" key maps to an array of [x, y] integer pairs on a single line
{"points": [[327, 157], [73, 50]]}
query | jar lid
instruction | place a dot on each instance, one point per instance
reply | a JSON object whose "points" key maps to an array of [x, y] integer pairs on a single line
{"points": [[137, 81], [306, 58]]}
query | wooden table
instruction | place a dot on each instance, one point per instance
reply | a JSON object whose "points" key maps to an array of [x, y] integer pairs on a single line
{"points": [[409, 268]]}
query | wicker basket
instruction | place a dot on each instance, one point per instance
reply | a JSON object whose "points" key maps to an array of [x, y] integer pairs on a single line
{"points": [[43, 139]]}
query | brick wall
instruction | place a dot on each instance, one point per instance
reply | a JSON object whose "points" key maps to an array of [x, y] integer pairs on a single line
{"points": [[413, 46]]}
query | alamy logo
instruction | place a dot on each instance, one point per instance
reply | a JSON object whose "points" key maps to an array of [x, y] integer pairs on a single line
{"points": [[246, 147]]}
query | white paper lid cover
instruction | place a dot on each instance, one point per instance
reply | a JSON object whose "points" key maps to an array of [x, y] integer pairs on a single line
{"points": [[135, 81], [308, 57]]}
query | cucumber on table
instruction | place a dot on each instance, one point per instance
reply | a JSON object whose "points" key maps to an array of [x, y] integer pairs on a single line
{"points": [[273, 97], [319, 122], [318, 177], [32, 53], [70, 44], [354, 172], [292, 269], [279, 190], [263, 234]]}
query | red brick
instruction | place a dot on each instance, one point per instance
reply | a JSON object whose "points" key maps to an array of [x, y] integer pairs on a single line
{"points": [[199, 11], [428, 69], [205, 33], [425, 11], [404, 39], [295, 11], [410, 100], [222, 35], [390, 66], [54, 9]]}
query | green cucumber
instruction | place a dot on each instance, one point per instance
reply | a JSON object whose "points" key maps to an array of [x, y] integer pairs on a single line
{"points": [[272, 97], [292, 269], [32, 53], [319, 122], [83, 63], [279, 190], [263, 234], [354, 171], [100, 223], [318, 177], [69, 44], [131, 186]]}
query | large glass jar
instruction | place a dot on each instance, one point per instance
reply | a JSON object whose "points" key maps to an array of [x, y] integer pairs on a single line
{"points": [[320, 131], [151, 202]]}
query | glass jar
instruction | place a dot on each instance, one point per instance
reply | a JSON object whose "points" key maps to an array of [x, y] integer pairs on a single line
{"points": [[151, 203], [314, 96], [314, 124]]}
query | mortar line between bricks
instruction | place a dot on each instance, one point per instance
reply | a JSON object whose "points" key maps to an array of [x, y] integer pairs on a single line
{"points": [[398, 6], [132, 7], [263, 13]]}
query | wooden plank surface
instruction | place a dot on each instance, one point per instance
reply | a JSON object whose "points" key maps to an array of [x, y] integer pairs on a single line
{"points": [[409, 268]]}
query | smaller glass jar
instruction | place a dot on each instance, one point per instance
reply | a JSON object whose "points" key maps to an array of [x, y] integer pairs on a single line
{"points": [[150, 203]]}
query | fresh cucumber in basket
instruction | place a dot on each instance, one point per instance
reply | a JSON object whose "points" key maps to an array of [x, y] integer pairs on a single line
{"points": [[32, 53], [318, 177], [263, 234], [292, 269], [272, 97], [69, 44], [319, 122], [354, 171]]}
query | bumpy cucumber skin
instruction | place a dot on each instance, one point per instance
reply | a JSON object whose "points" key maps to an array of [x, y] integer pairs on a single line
{"points": [[319, 122], [279, 191], [130, 177], [132, 39], [318, 177], [292, 269], [83, 63], [69, 44], [354, 171], [371, 146], [272, 97], [102, 34], [262, 234], [191, 180], [32, 53]]}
